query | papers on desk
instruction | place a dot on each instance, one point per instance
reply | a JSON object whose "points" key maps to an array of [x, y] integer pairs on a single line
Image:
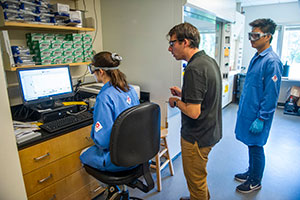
{"points": [[25, 131]]}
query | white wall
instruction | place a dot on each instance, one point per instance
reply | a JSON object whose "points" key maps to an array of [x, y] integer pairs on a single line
{"points": [[11, 179], [288, 13], [137, 30], [280, 13]]}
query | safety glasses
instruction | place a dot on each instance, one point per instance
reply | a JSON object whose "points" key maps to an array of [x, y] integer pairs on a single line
{"points": [[254, 36], [92, 68]]}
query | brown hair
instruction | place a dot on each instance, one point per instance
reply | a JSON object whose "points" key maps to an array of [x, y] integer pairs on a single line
{"points": [[186, 31], [117, 78]]}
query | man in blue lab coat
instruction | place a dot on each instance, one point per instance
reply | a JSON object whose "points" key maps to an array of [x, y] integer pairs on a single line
{"points": [[258, 102]]}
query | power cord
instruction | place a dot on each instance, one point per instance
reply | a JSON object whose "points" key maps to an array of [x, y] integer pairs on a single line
{"points": [[96, 17], [77, 85], [78, 113]]}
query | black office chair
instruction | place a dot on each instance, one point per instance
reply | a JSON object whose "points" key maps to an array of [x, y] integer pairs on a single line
{"points": [[134, 140]]}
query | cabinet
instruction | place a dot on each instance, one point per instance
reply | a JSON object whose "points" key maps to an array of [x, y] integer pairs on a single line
{"points": [[41, 27], [52, 169], [16, 32]]}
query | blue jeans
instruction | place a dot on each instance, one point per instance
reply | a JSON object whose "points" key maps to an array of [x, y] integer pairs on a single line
{"points": [[256, 163]]}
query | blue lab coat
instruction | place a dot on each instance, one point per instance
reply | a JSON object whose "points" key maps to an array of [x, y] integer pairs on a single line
{"points": [[259, 97], [109, 104]]}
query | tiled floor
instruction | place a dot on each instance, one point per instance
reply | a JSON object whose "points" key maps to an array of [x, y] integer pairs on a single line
{"points": [[281, 179]]}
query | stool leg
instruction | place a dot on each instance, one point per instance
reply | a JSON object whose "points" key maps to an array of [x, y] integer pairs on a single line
{"points": [[158, 178], [168, 157]]}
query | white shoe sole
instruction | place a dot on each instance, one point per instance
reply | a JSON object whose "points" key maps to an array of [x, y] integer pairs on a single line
{"points": [[246, 192], [240, 180]]}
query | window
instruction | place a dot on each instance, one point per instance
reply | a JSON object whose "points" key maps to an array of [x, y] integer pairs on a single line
{"points": [[291, 50], [208, 43], [286, 43], [275, 42], [207, 26]]}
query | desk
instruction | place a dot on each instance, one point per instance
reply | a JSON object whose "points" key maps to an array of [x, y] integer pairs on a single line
{"points": [[52, 169]]}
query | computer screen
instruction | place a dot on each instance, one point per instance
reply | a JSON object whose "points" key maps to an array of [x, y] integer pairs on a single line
{"points": [[42, 84]]}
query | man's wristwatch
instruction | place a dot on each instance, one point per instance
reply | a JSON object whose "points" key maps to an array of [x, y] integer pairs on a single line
{"points": [[175, 103]]}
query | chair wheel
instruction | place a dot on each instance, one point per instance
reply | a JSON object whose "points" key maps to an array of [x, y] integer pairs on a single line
{"points": [[112, 193]]}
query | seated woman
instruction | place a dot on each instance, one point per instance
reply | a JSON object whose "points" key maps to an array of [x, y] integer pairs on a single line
{"points": [[115, 97]]}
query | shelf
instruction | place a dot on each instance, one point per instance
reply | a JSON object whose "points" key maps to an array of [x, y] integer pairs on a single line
{"points": [[43, 26], [27, 66]]}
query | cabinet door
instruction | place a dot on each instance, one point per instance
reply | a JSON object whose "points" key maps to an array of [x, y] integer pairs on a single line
{"points": [[41, 154]]}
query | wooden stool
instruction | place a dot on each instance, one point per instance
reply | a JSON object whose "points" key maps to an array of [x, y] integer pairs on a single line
{"points": [[164, 151]]}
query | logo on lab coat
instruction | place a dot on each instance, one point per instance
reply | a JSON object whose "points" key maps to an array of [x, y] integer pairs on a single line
{"points": [[128, 100], [274, 78], [98, 127]]}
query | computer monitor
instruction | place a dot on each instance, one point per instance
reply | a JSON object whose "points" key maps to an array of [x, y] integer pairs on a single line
{"points": [[41, 85]]}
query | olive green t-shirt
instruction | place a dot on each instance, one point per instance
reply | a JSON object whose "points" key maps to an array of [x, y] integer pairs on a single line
{"points": [[202, 84]]}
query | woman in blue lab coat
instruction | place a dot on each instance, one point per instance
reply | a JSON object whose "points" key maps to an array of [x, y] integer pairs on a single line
{"points": [[258, 102], [115, 97]]}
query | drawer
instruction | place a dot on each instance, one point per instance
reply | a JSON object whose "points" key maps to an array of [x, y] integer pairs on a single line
{"points": [[41, 154], [49, 174], [65, 187], [88, 192]]}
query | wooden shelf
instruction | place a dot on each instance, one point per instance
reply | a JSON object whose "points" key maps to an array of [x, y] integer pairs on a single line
{"points": [[27, 66], [43, 26]]}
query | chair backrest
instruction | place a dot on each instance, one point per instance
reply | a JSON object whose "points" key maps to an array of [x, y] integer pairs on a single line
{"points": [[135, 135]]}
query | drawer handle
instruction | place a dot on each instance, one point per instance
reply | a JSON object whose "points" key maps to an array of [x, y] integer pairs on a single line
{"points": [[98, 188], [41, 157], [45, 179], [53, 197]]}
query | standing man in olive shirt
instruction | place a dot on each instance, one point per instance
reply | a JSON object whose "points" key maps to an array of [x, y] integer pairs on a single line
{"points": [[200, 105]]}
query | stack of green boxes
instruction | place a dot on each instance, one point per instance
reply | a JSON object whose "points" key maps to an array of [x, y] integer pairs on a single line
{"points": [[87, 47], [59, 48]]}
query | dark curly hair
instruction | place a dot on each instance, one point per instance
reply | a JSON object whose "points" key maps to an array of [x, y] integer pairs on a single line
{"points": [[265, 25]]}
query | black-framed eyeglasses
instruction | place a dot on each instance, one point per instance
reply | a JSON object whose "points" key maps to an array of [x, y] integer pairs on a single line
{"points": [[172, 42], [254, 36]]}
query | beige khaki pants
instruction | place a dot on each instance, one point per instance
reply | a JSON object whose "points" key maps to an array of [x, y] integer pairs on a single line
{"points": [[194, 160]]}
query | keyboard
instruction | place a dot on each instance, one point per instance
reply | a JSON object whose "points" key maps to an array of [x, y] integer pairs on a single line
{"points": [[68, 122]]}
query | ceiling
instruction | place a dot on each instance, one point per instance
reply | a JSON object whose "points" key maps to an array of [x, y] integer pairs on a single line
{"points": [[245, 3]]}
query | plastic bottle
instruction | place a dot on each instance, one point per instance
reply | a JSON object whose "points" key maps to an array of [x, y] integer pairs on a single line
{"points": [[286, 70]]}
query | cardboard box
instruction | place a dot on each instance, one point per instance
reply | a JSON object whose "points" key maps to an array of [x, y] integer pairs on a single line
{"points": [[60, 37], [34, 36], [61, 8], [48, 36], [295, 91]]}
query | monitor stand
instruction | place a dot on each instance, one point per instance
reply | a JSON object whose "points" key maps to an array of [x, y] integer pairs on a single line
{"points": [[53, 110]]}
